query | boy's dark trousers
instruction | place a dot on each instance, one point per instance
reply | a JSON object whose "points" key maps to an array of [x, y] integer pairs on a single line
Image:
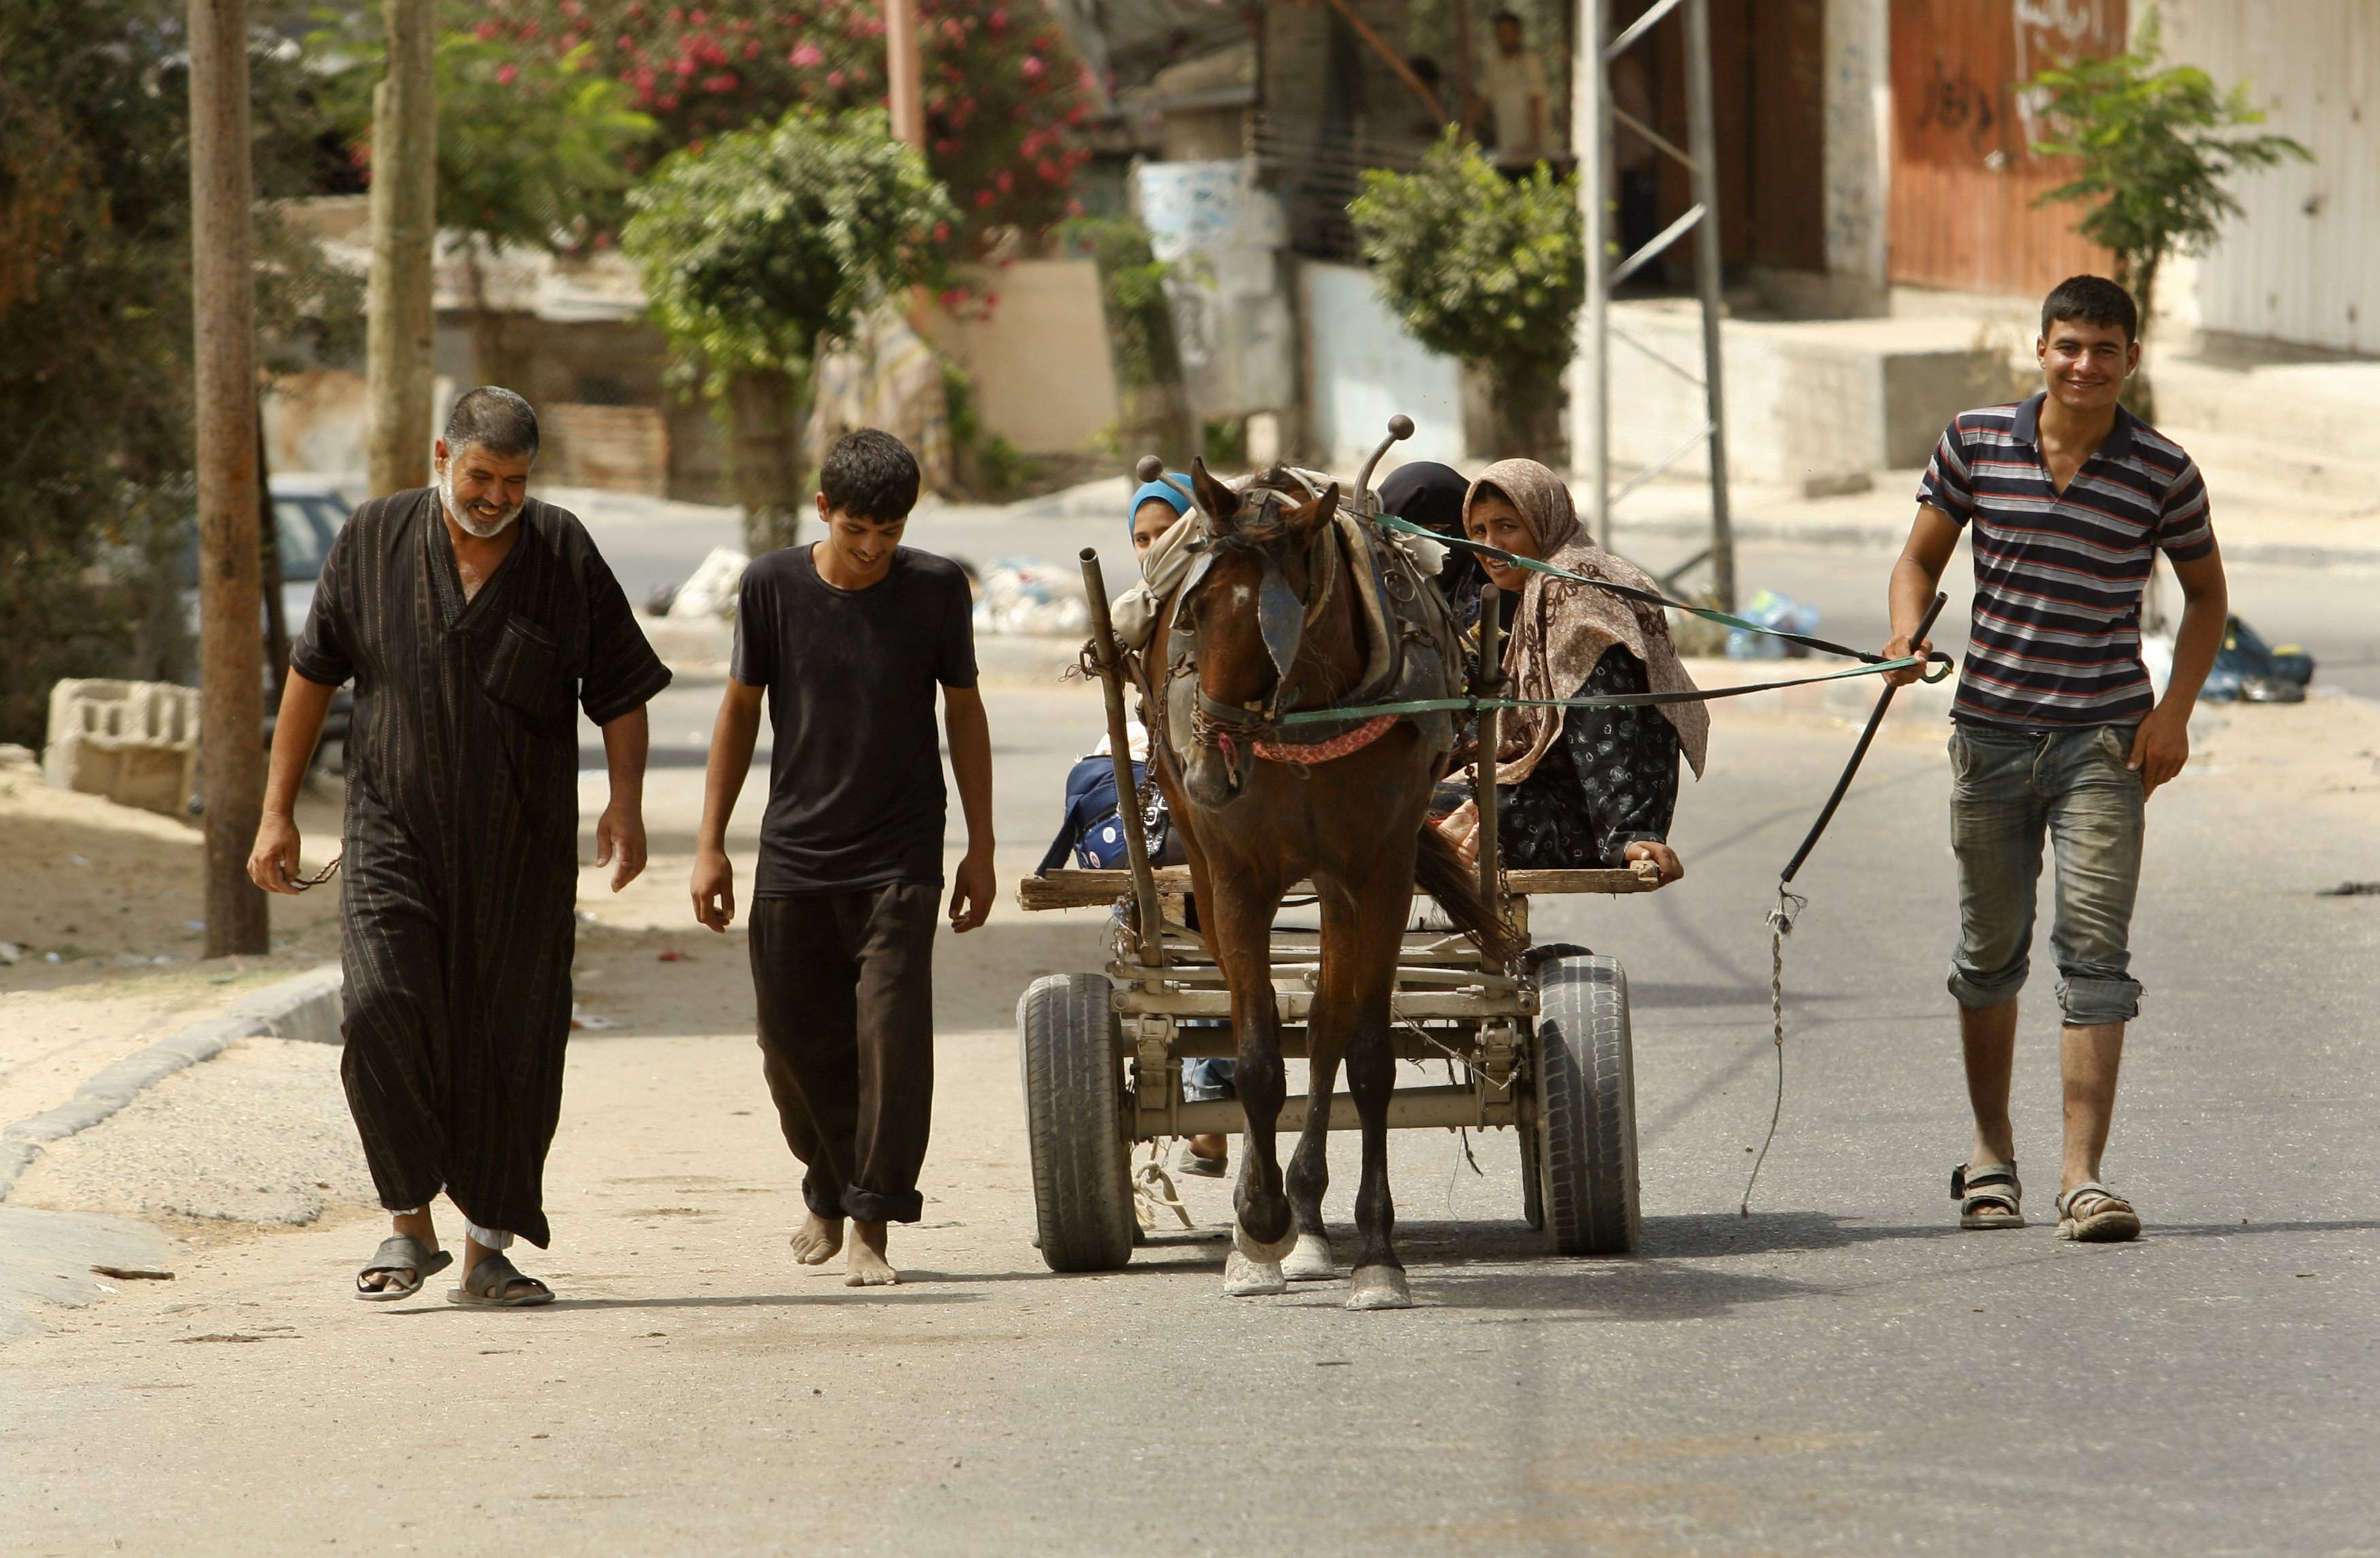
{"points": [[845, 990]]}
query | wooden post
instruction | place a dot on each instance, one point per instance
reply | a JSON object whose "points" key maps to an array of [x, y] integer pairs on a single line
{"points": [[1136, 840], [1482, 786], [906, 97], [231, 646], [399, 323]]}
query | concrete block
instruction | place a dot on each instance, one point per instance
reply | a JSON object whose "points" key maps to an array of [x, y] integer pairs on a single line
{"points": [[136, 743]]}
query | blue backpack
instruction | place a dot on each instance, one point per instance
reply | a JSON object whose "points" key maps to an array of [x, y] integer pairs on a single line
{"points": [[1092, 830]]}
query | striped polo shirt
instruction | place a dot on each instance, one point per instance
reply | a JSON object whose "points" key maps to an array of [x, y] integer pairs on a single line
{"points": [[2056, 640]]}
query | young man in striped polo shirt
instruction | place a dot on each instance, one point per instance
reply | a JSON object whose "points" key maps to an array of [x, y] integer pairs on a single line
{"points": [[2068, 497]]}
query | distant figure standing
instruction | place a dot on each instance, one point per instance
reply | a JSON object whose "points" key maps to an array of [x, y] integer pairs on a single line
{"points": [[1512, 85], [476, 623], [2056, 730], [846, 639]]}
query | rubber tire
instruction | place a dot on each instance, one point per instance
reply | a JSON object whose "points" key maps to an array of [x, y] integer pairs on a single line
{"points": [[1586, 1107], [1071, 1052]]}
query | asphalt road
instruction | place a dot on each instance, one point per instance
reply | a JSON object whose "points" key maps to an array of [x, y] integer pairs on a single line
{"points": [[1841, 1372]]}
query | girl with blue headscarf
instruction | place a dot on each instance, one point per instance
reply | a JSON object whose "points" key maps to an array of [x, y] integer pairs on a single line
{"points": [[1155, 510]]}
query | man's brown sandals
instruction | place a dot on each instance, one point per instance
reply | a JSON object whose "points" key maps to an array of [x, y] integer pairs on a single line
{"points": [[2091, 1214], [1988, 1196]]}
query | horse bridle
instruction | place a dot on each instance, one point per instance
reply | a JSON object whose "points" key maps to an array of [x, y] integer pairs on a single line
{"points": [[1281, 619]]}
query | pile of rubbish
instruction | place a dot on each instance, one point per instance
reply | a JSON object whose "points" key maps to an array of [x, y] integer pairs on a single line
{"points": [[1026, 595], [2247, 669], [709, 591]]}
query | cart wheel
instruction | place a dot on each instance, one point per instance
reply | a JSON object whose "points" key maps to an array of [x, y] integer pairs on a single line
{"points": [[1073, 1114], [1586, 1107]]}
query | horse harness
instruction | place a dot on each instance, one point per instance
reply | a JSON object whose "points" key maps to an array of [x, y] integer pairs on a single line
{"points": [[1413, 649]]}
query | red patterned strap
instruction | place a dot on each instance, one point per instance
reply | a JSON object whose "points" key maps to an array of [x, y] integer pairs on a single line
{"points": [[1310, 753]]}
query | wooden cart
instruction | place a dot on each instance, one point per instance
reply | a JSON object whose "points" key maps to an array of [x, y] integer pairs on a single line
{"points": [[1542, 1048]]}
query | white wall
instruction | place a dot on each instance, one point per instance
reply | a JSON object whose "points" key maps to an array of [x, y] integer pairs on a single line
{"points": [[1361, 369], [2301, 264]]}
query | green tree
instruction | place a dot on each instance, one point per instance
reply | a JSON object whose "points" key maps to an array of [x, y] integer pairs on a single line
{"points": [[95, 487], [761, 242], [2153, 148], [536, 148], [1485, 269], [1004, 92]]}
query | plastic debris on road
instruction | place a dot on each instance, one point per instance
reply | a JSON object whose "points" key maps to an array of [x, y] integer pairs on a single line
{"points": [[1771, 610], [709, 591], [1028, 596]]}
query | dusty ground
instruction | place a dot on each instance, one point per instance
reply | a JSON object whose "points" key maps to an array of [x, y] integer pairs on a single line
{"points": [[114, 895]]}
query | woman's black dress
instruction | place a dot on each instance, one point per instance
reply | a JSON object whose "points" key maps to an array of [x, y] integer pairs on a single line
{"points": [[1609, 781]]}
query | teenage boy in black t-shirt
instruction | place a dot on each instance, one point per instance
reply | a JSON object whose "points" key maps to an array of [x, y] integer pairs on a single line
{"points": [[846, 639]]}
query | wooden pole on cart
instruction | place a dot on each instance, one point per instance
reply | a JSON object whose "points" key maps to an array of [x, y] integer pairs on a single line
{"points": [[1110, 656], [1490, 684]]}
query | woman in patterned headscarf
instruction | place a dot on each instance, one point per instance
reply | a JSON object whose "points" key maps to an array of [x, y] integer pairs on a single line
{"points": [[1579, 786]]}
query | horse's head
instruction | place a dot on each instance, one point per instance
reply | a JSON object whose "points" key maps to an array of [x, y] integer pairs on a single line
{"points": [[1248, 605]]}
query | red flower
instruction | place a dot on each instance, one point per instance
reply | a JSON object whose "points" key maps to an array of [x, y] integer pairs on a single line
{"points": [[507, 73], [982, 199], [805, 55]]}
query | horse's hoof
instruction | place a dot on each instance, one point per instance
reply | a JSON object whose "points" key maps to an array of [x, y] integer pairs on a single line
{"points": [[1243, 1278], [1266, 1254], [1310, 1262], [1379, 1287]]}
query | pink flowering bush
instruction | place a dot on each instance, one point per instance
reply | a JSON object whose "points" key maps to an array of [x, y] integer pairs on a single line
{"points": [[1003, 88]]}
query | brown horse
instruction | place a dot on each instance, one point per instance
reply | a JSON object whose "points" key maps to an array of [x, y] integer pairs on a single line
{"points": [[1273, 620]]}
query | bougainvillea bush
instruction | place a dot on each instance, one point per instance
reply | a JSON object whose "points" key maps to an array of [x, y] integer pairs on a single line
{"points": [[1003, 88]]}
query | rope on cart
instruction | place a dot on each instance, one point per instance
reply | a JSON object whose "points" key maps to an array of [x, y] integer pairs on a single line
{"points": [[1153, 1190]]}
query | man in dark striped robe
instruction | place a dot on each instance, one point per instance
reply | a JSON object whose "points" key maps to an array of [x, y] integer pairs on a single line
{"points": [[469, 616]]}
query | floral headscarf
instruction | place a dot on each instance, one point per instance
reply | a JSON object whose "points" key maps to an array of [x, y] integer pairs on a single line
{"points": [[1561, 629]]}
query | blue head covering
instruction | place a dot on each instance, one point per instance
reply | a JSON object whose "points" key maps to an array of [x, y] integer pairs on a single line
{"points": [[1163, 493]]}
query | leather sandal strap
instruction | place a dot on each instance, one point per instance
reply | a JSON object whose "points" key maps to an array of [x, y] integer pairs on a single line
{"points": [[2090, 1191], [1971, 1187]]}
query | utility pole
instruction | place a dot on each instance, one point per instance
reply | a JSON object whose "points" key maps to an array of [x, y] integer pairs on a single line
{"points": [[398, 319], [231, 646], [907, 97]]}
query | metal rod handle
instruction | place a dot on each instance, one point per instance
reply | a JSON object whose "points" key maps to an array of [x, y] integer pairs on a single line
{"points": [[1136, 839], [1152, 469], [1401, 428]]}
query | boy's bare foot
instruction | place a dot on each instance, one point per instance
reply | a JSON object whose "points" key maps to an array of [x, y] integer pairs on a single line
{"points": [[816, 1241], [866, 1266]]}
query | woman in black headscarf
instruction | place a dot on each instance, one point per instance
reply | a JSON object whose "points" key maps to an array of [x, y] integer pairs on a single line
{"points": [[1431, 495]]}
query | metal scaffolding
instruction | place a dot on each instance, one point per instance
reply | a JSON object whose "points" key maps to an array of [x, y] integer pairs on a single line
{"points": [[1595, 118]]}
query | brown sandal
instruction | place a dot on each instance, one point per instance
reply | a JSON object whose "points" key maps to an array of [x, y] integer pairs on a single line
{"points": [[1988, 1197]]}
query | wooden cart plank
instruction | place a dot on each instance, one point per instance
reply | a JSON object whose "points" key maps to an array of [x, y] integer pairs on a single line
{"points": [[1090, 889]]}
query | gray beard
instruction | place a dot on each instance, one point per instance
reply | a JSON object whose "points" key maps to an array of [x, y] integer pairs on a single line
{"points": [[472, 525]]}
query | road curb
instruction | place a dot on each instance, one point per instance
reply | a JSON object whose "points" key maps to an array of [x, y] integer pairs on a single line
{"points": [[306, 1007]]}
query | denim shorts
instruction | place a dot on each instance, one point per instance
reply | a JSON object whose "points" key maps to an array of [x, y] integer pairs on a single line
{"points": [[2008, 788]]}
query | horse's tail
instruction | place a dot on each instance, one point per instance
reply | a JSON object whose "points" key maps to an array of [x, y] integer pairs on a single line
{"points": [[1442, 872]]}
